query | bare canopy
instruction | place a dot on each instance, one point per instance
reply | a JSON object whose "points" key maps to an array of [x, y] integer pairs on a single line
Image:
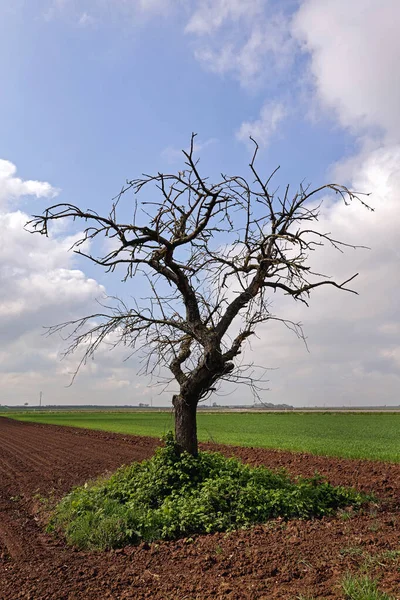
{"points": [[212, 255]]}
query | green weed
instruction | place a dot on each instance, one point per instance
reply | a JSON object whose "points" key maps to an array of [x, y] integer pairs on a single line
{"points": [[390, 555], [352, 551], [368, 561], [176, 495], [362, 588]]}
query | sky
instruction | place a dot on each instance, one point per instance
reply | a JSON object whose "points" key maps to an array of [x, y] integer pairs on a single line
{"points": [[94, 92]]}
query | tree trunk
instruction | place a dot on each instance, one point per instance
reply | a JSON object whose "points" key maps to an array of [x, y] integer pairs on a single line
{"points": [[185, 425]]}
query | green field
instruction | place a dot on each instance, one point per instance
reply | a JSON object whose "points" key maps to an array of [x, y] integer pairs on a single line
{"points": [[373, 436]]}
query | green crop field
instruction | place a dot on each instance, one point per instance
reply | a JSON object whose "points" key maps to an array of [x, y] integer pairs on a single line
{"points": [[373, 436]]}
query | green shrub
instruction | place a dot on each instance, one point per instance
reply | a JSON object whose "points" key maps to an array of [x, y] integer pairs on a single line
{"points": [[175, 495]]}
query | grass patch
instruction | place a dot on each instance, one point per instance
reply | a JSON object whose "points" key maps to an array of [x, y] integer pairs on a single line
{"points": [[353, 435], [363, 588], [176, 495], [368, 561]]}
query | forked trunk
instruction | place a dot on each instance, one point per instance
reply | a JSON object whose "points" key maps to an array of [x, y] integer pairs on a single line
{"points": [[185, 425]]}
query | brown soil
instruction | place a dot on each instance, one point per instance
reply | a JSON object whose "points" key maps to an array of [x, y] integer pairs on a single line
{"points": [[276, 561]]}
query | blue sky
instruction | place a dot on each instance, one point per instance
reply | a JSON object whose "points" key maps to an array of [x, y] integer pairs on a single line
{"points": [[88, 106], [96, 92]]}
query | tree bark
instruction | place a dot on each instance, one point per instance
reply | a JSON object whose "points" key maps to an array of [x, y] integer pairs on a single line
{"points": [[185, 425]]}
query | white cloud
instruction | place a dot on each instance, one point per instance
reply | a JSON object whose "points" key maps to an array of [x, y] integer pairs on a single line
{"points": [[163, 7], [211, 15], [40, 285], [111, 383], [394, 354], [354, 51], [86, 20], [12, 188], [241, 38], [262, 129]]}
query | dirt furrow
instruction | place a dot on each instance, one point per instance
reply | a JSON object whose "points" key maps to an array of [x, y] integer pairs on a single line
{"points": [[13, 543], [20, 533], [44, 448], [8, 470], [40, 450], [32, 459]]}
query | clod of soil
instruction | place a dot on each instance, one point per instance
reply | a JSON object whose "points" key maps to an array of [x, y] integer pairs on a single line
{"points": [[276, 561]]}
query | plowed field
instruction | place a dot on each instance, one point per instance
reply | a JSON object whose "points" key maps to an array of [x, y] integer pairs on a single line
{"points": [[276, 561]]}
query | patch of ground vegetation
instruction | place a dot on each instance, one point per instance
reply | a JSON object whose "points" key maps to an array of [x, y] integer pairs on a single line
{"points": [[357, 588], [363, 588], [175, 495]]}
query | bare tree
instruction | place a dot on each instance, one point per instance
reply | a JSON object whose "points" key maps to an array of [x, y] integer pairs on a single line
{"points": [[211, 254]]}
